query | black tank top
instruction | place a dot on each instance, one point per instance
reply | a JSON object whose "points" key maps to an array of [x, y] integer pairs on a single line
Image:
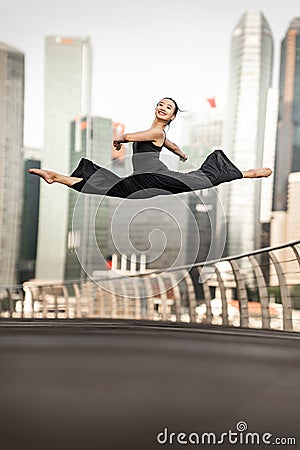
{"points": [[147, 146]]}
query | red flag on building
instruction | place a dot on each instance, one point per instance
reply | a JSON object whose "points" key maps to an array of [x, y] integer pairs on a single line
{"points": [[109, 263], [212, 102]]}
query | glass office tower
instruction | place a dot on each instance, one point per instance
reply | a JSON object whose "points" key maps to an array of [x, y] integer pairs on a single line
{"points": [[88, 215], [250, 77], [67, 94], [205, 136], [30, 215], [11, 159], [288, 128]]}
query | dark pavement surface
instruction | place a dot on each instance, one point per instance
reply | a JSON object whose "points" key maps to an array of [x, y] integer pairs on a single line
{"points": [[108, 384]]}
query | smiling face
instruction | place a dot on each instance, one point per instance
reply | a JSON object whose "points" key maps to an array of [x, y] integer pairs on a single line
{"points": [[165, 110]]}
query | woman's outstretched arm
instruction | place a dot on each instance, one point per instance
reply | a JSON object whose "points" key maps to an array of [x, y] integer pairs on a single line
{"points": [[175, 149], [155, 135]]}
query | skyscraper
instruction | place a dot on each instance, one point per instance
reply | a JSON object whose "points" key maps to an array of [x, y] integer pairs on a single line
{"points": [[67, 94], [269, 155], [30, 215], [88, 228], [288, 130], [250, 77], [11, 159], [204, 205]]}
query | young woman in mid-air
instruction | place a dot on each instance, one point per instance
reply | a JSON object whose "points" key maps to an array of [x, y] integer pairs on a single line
{"points": [[150, 175]]}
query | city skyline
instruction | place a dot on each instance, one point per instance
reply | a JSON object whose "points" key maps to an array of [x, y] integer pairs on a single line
{"points": [[135, 51], [67, 76]]}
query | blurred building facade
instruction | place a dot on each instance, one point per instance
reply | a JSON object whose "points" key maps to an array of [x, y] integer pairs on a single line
{"points": [[67, 94], [267, 184], [156, 227], [249, 80], [88, 231], [285, 226], [11, 159], [30, 215], [205, 136], [288, 129]]}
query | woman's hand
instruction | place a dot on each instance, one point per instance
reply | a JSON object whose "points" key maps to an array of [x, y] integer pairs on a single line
{"points": [[117, 145], [183, 157]]}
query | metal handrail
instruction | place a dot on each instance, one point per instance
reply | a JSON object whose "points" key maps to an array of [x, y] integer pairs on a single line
{"points": [[171, 269], [172, 294]]}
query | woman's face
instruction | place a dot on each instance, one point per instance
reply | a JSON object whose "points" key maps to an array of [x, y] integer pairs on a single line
{"points": [[165, 110]]}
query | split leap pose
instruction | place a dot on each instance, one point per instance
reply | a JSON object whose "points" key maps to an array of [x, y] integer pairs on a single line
{"points": [[150, 175]]}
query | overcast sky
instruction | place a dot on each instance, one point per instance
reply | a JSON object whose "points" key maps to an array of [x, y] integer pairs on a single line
{"points": [[142, 50]]}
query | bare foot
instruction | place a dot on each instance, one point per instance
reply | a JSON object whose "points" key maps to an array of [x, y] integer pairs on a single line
{"points": [[53, 177], [263, 172], [47, 175]]}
